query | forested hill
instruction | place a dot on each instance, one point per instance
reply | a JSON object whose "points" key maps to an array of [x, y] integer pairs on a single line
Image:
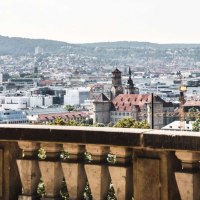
{"points": [[21, 46]]}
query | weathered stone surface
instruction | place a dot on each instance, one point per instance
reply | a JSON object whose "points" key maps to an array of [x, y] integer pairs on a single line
{"points": [[52, 176], [99, 180], [75, 179], [102, 136], [121, 151], [97, 150], [1, 172], [74, 148], [28, 146], [188, 184], [11, 180], [30, 176], [189, 160], [122, 179], [152, 163], [147, 184], [24, 197]]}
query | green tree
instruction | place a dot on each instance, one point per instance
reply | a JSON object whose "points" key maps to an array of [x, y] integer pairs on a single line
{"points": [[87, 122], [69, 108], [61, 122], [99, 125], [196, 125], [192, 114], [131, 123], [72, 123]]}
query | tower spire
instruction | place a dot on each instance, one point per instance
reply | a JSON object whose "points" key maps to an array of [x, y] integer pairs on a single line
{"points": [[129, 72], [130, 88]]}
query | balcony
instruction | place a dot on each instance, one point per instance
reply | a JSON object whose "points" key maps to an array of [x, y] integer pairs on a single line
{"points": [[140, 163]]}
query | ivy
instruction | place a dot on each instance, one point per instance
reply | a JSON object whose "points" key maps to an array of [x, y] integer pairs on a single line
{"points": [[63, 191], [111, 158], [42, 154], [87, 192], [88, 156], [64, 155], [111, 193], [41, 188]]}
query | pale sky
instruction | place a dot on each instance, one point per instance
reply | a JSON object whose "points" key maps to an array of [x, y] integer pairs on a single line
{"points": [[80, 21]]}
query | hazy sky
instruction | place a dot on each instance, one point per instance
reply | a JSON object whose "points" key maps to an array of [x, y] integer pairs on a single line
{"points": [[162, 21]]}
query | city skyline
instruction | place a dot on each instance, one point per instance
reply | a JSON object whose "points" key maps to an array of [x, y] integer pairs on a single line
{"points": [[102, 21]]}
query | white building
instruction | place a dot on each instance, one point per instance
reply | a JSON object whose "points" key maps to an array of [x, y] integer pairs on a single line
{"points": [[25, 82], [76, 96], [16, 103], [39, 50], [176, 126], [24, 102], [41, 101]]}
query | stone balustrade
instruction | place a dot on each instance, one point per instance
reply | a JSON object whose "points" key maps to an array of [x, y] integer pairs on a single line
{"points": [[140, 164]]}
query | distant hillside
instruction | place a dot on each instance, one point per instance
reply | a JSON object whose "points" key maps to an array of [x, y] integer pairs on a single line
{"points": [[135, 44], [103, 50], [20, 46]]}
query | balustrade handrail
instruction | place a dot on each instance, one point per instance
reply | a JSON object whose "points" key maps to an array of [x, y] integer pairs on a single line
{"points": [[134, 138]]}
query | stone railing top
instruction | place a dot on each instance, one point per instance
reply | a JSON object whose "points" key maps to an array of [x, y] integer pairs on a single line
{"points": [[134, 138]]}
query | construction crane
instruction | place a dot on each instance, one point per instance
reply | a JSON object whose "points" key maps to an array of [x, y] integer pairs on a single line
{"points": [[182, 89]]}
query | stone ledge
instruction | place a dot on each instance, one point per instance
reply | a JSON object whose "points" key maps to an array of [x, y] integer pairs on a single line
{"points": [[134, 138]]}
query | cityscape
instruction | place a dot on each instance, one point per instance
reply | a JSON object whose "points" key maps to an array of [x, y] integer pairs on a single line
{"points": [[99, 100], [39, 86]]}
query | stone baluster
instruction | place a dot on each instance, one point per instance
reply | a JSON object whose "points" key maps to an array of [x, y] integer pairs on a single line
{"points": [[97, 172], [120, 168], [51, 171], [188, 179], [28, 170], [73, 170], [153, 173]]}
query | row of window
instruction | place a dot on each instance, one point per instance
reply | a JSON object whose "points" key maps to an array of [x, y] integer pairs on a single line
{"points": [[14, 122], [121, 113]]}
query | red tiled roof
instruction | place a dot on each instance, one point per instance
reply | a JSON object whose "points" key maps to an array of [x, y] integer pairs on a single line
{"points": [[192, 103], [128, 102], [65, 115]]}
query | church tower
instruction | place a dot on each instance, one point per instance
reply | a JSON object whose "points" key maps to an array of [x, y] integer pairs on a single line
{"points": [[116, 83], [129, 87]]}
